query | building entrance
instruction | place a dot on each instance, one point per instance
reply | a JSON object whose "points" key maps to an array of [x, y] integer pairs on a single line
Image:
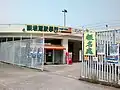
{"points": [[49, 56], [74, 47]]}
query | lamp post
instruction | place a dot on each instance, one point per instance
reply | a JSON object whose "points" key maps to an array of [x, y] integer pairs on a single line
{"points": [[64, 11]]}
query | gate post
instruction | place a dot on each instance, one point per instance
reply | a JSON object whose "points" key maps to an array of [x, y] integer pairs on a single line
{"points": [[82, 55]]}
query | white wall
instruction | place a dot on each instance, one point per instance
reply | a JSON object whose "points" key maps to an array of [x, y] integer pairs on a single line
{"points": [[65, 44], [12, 28]]}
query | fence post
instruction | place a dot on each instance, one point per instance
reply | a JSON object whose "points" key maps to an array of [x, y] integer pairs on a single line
{"points": [[82, 70], [97, 70], [119, 74], [20, 50], [43, 49], [115, 73], [32, 49], [13, 51]]}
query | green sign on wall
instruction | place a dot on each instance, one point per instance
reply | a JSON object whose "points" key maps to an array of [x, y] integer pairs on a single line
{"points": [[44, 28]]}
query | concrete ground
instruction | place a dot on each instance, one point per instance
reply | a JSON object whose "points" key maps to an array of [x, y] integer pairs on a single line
{"points": [[16, 78], [72, 71]]}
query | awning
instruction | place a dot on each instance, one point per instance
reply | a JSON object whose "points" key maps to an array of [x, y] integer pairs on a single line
{"points": [[55, 47]]}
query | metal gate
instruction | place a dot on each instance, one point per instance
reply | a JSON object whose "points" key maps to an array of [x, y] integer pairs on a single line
{"points": [[102, 62], [27, 52]]}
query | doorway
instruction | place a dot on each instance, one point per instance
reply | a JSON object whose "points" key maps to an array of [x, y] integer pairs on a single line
{"points": [[74, 46], [49, 56]]}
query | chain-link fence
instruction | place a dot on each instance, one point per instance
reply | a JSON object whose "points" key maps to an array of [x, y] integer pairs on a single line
{"points": [[27, 52]]}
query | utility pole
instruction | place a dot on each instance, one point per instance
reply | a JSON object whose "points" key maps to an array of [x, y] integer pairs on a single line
{"points": [[64, 11]]}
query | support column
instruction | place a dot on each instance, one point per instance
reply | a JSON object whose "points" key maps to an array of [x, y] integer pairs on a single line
{"points": [[53, 57], [65, 44], [44, 55], [6, 39]]}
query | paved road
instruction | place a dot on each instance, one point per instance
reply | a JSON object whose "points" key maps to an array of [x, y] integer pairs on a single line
{"points": [[15, 78], [65, 70]]}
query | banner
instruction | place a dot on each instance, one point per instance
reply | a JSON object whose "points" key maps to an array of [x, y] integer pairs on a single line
{"points": [[112, 59], [101, 49], [114, 49], [89, 43]]}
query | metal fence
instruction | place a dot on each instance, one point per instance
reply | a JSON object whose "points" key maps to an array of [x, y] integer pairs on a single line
{"points": [[101, 69], [27, 52]]}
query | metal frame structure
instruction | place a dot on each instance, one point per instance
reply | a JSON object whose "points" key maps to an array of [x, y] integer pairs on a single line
{"points": [[102, 70]]}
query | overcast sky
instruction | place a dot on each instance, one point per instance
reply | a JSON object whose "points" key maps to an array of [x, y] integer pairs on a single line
{"points": [[80, 12]]}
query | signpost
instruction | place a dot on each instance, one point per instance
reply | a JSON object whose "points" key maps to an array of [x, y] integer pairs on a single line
{"points": [[89, 43], [89, 51]]}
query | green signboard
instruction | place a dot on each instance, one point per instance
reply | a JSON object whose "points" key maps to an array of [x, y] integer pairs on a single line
{"points": [[45, 28], [89, 43]]}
